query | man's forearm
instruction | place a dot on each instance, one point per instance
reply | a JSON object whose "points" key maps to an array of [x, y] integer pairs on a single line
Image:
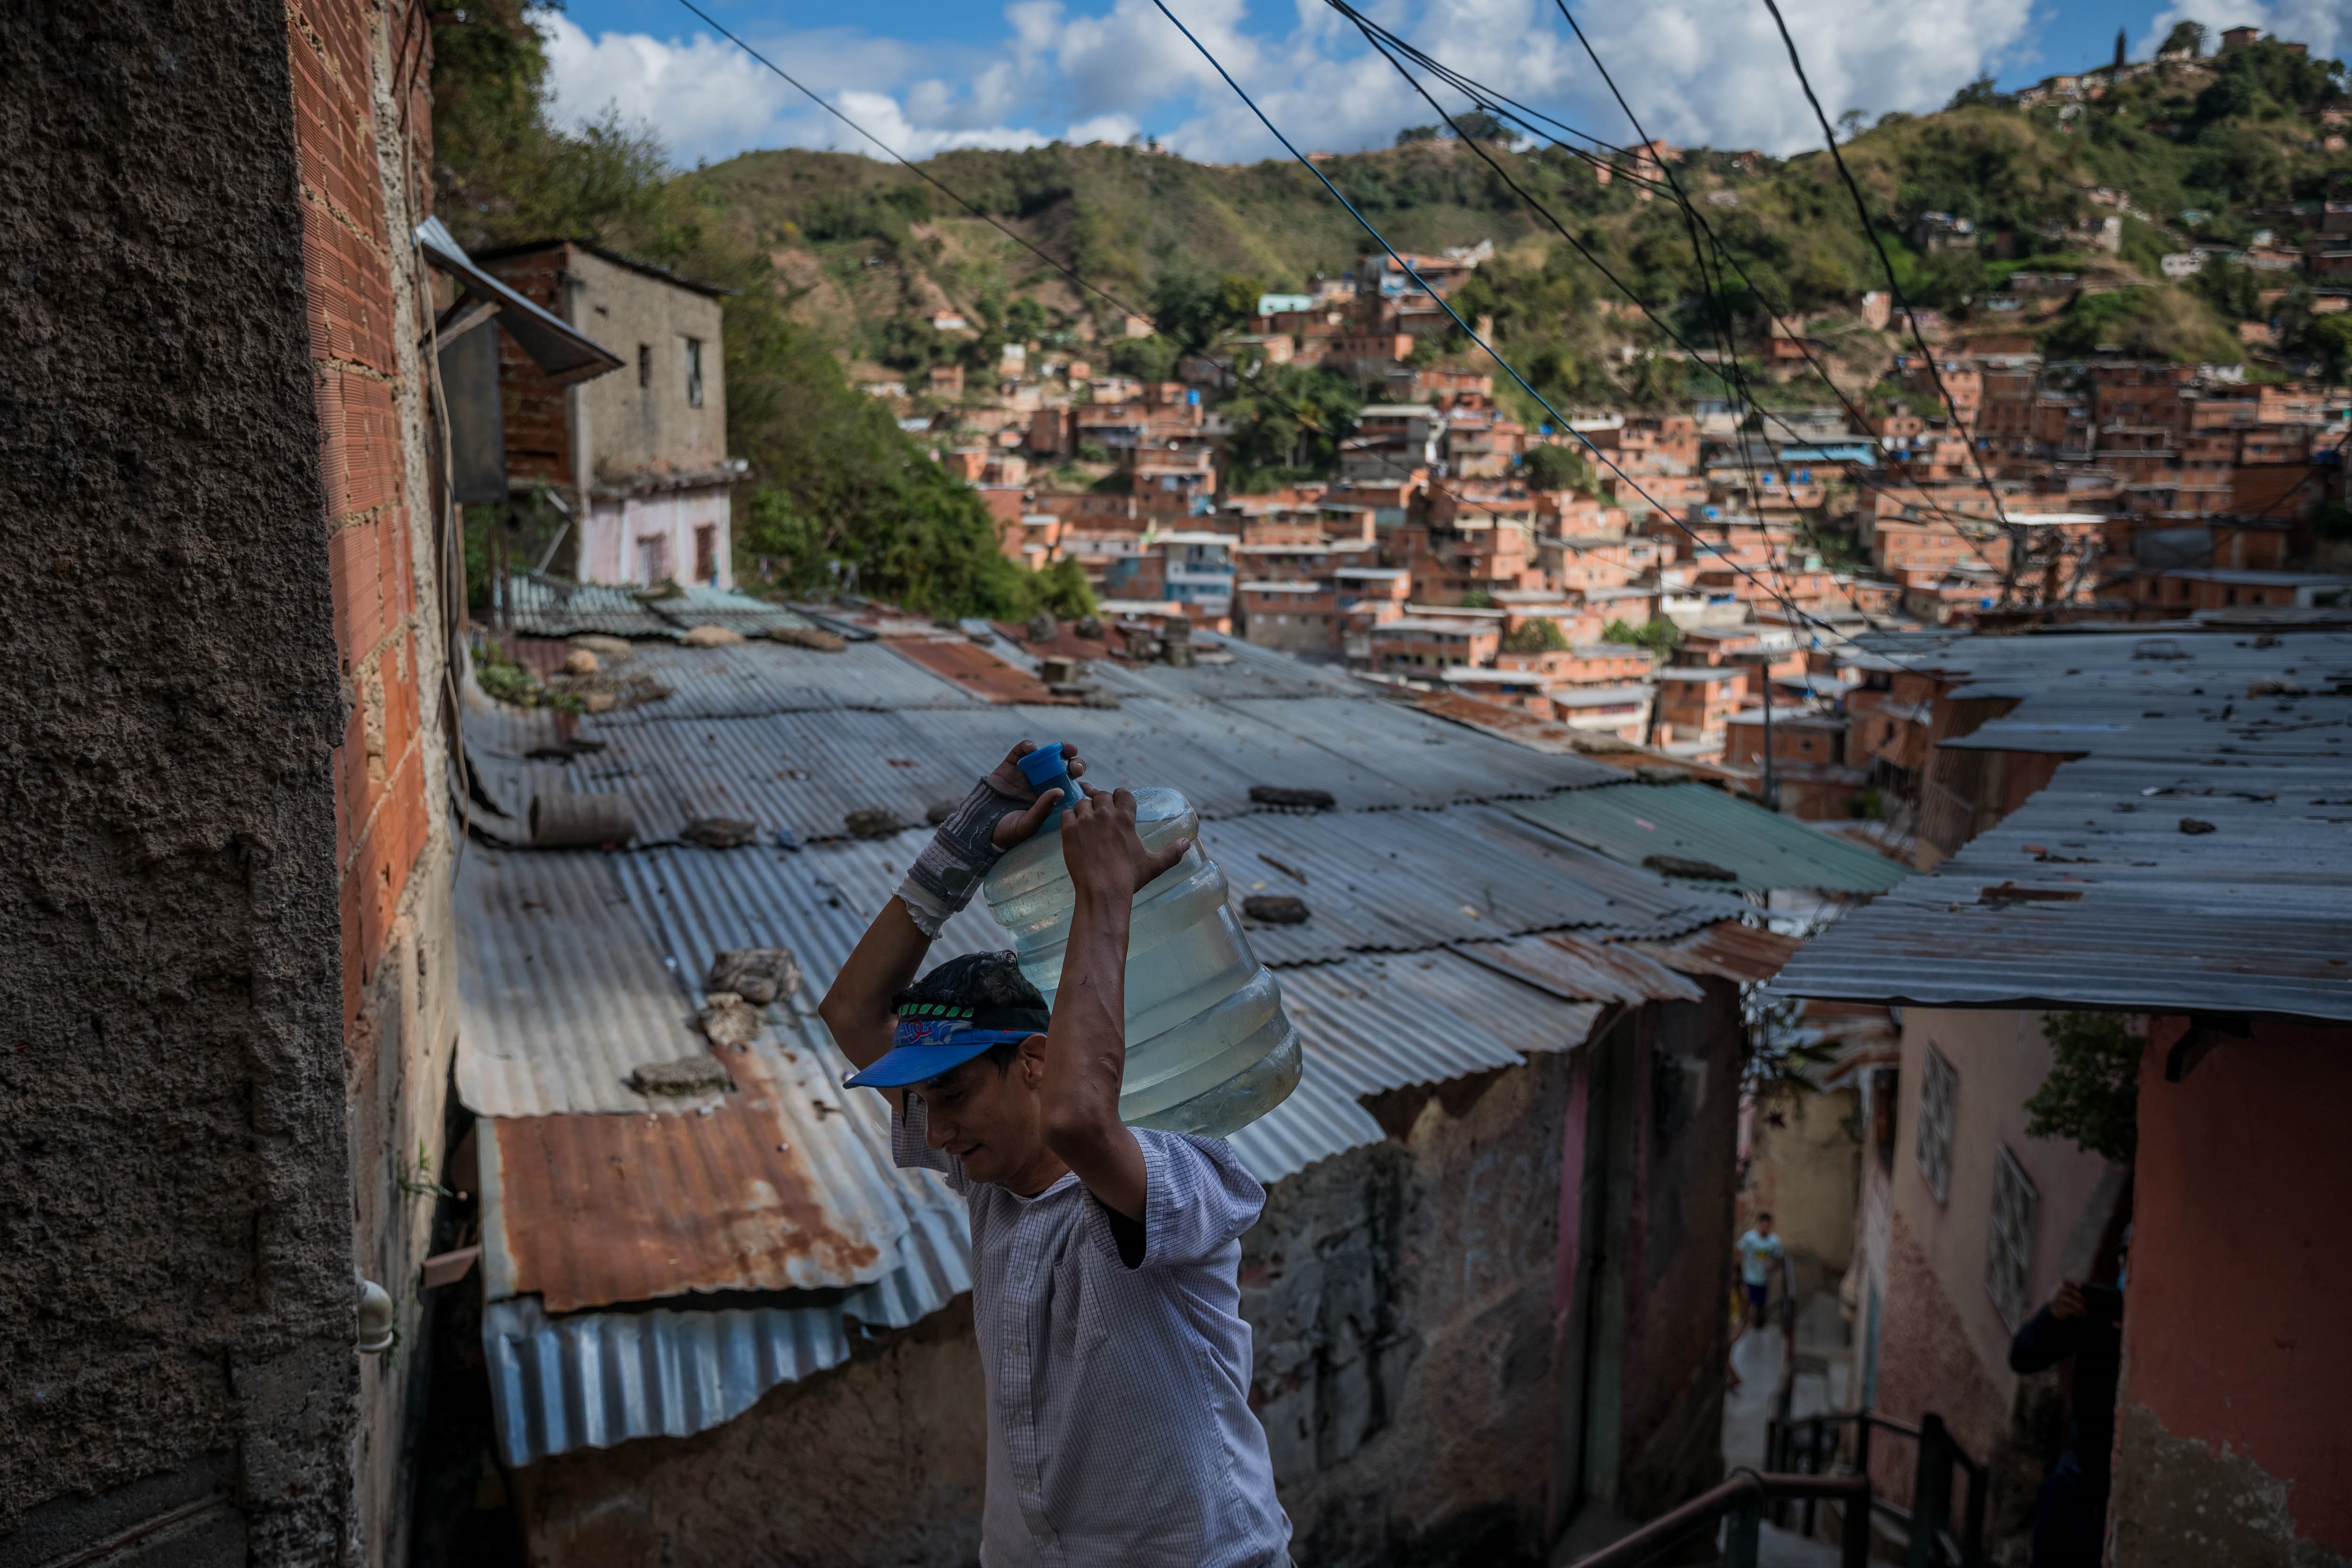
{"points": [[1085, 1051], [1087, 1044], [856, 1009]]}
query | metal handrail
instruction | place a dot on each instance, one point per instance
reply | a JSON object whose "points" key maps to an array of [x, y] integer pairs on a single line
{"points": [[1938, 1456], [1742, 1498]]}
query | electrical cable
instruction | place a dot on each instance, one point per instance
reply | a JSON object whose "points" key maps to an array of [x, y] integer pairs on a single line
{"points": [[1861, 208], [1735, 381], [1711, 280], [1162, 5], [1223, 366], [1503, 105]]}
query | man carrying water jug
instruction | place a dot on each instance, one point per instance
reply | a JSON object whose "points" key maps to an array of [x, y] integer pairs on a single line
{"points": [[1112, 1350]]}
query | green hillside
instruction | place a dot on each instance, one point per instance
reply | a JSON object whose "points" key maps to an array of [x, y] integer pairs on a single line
{"points": [[841, 259]]}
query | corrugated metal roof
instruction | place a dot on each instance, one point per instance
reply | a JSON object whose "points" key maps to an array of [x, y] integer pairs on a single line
{"points": [[1727, 949], [1316, 1122], [579, 966], [2091, 894], [976, 671], [543, 607], [594, 1379], [805, 772], [1694, 822], [747, 680], [1582, 970], [762, 1191], [700, 604], [1404, 880], [561, 993], [1381, 1023]]}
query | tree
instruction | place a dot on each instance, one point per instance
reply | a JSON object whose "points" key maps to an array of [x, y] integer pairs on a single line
{"points": [[1478, 125], [1658, 635], [1194, 309], [1413, 134], [1535, 637], [2185, 37], [2330, 337], [1977, 94], [2092, 1094], [1655, 381], [1850, 124], [1555, 468]]}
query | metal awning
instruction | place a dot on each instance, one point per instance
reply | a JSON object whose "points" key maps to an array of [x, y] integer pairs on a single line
{"points": [[566, 353]]}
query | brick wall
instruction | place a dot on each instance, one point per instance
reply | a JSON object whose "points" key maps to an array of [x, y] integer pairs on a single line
{"points": [[362, 116], [538, 431]]}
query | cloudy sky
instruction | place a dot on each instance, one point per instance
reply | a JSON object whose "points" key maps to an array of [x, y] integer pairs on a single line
{"points": [[928, 74]]}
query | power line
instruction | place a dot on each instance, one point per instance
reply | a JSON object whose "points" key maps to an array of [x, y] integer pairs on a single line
{"points": [[1466, 330], [1895, 288], [1534, 120], [1735, 381], [1225, 366]]}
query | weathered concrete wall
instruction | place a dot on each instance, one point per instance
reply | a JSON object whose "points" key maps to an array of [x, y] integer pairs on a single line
{"points": [[1676, 1325], [2230, 1429], [641, 419], [882, 1461], [175, 1212], [1401, 1298]]}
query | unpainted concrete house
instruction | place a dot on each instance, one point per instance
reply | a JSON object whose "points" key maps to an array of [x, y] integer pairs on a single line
{"points": [[639, 460], [2180, 859], [1488, 1288], [228, 970]]}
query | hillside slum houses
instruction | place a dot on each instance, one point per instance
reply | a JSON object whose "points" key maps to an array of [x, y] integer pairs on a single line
{"points": [[2139, 835], [1487, 1289]]}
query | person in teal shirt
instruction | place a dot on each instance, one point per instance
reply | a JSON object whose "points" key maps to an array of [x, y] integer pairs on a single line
{"points": [[1759, 1250]]}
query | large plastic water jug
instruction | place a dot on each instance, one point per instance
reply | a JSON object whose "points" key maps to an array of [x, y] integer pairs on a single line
{"points": [[1208, 1046]]}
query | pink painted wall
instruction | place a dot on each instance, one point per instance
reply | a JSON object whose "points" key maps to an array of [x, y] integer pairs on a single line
{"points": [[2242, 1260], [1943, 1345]]}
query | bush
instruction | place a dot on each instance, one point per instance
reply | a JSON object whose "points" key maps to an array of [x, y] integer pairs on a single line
{"points": [[1555, 468], [2092, 1094], [1659, 635], [1535, 637]]}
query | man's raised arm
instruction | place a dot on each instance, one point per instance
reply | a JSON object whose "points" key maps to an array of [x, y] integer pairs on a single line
{"points": [[1000, 812], [1085, 1046]]}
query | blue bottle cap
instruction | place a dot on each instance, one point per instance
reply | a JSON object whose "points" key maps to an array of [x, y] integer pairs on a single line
{"points": [[1044, 769]]}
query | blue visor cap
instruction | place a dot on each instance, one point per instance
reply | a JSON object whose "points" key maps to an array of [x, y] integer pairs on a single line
{"points": [[932, 1039]]}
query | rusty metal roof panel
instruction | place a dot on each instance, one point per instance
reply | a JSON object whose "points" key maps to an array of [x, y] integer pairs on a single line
{"points": [[1580, 969], [753, 1193], [976, 671], [1727, 949], [594, 1379], [1403, 880]]}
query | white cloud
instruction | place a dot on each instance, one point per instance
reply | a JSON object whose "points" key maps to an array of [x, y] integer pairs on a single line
{"points": [[1697, 71]]}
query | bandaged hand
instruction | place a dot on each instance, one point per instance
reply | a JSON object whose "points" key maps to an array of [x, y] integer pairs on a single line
{"points": [[1001, 811]]}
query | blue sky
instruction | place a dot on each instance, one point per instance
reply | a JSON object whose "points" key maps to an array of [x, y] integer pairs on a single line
{"points": [[926, 75]]}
